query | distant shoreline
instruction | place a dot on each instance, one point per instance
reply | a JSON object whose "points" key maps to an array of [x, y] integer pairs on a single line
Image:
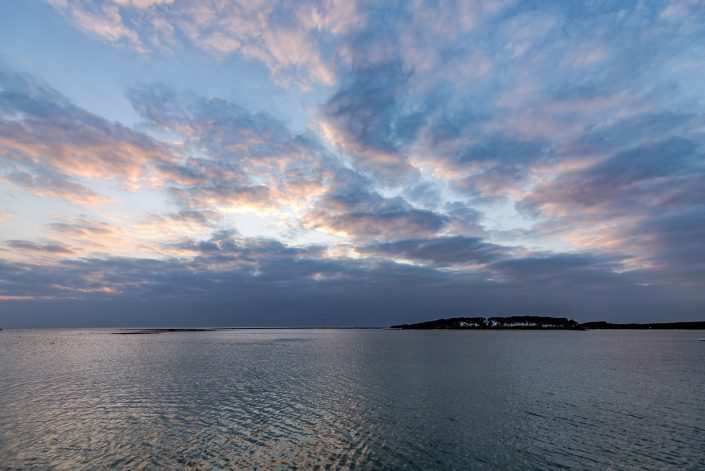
{"points": [[157, 330], [541, 323], [531, 323], [692, 325]]}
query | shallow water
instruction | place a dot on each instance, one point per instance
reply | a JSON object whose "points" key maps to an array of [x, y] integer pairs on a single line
{"points": [[362, 399]]}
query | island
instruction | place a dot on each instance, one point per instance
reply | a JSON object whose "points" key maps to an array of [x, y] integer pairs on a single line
{"points": [[538, 323], [496, 323]]}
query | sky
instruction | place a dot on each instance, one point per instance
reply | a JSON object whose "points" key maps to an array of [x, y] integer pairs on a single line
{"points": [[350, 163]]}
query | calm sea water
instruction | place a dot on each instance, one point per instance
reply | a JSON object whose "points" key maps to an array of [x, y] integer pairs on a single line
{"points": [[362, 399]]}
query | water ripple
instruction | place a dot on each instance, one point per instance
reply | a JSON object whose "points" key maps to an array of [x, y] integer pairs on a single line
{"points": [[352, 400]]}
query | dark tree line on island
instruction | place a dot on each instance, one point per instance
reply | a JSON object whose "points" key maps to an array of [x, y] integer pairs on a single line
{"points": [[537, 323]]}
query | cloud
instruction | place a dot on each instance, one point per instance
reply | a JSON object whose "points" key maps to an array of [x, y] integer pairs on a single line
{"points": [[47, 144], [144, 3], [635, 202], [236, 159], [104, 20], [44, 182], [581, 271], [363, 119], [283, 36], [237, 281], [456, 251], [81, 227], [90, 236], [365, 216], [39, 248], [72, 237], [252, 161], [641, 176], [673, 242]]}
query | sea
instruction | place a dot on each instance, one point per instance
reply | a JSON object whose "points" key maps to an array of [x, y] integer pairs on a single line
{"points": [[352, 399]]}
